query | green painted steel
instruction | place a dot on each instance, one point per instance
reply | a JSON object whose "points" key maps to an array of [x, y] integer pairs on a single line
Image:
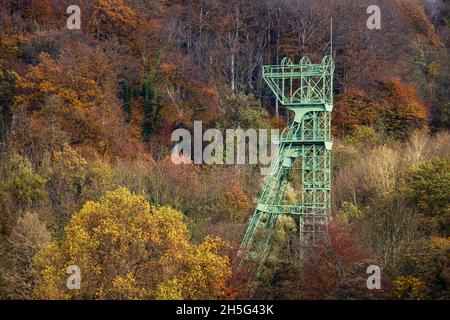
{"points": [[304, 150]]}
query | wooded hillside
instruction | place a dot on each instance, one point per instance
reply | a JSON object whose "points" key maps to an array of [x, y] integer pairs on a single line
{"points": [[86, 118]]}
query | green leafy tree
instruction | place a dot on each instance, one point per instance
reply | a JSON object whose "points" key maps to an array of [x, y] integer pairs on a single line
{"points": [[430, 185], [126, 96], [148, 123], [7, 91], [21, 189], [244, 111]]}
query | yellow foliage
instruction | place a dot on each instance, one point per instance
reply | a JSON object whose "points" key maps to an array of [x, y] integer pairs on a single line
{"points": [[69, 166], [114, 16], [433, 69], [126, 288], [129, 249], [74, 87], [409, 288], [205, 277], [10, 45]]}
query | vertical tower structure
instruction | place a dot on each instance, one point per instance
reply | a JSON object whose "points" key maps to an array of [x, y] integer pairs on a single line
{"points": [[304, 153]]}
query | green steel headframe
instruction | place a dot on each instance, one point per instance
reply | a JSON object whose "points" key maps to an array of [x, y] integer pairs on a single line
{"points": [[303, 83], [304, 151]]}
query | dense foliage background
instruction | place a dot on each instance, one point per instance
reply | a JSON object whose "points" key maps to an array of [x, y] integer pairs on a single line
{"points": [[85, 124]]}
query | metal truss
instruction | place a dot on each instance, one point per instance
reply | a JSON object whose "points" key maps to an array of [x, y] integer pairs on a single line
{"points": [[304, 150]]}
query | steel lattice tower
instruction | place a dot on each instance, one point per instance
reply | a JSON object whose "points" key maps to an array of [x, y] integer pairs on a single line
{"points": [[305, 149]]}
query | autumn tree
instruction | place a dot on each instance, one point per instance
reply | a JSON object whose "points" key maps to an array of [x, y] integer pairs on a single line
{"points": [[71, 181], [394, 109], [71, 99], [403, 110], [423, 271], [21, 189], [430, 183], [354, 108], [112, 17], [332, 269], [27, 238], [129, 249]]}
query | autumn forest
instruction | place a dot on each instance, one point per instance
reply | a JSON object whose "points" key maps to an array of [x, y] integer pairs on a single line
{"points": [[86, 177]]}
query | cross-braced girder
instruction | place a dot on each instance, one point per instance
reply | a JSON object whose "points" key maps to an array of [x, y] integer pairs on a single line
{"points": [[304, 152]]}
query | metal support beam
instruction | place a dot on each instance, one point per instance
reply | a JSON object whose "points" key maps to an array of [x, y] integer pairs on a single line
{"points": [[307, 90]]}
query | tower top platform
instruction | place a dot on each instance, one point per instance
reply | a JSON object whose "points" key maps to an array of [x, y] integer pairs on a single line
{"points": [[303, 84]]}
